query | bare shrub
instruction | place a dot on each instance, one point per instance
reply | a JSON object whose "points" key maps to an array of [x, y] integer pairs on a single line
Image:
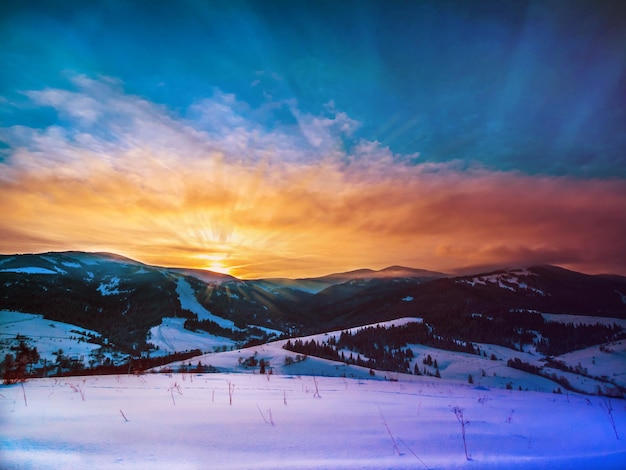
{"points": [[269, 419], [78, 389], [231, 390], [174, 387], [458, 412], [393, 439], [607, 406], [317, 391]]}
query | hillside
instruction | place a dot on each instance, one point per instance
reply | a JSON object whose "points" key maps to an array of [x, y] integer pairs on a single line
{"points": [[134, 315], [400, 350]]}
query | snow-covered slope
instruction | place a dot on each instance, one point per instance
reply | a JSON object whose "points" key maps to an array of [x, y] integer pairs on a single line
{"points": [[607, 360], [512, 280], [171, 336], [119, 298], [48, 336], [489, 369], [583, 319], [29, 270], [189, 302]]}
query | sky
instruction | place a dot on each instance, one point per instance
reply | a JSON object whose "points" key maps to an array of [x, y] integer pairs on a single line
{"points": [[295, 139]]}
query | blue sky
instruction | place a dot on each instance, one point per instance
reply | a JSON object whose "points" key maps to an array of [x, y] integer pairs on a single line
{"points": [[534, 86], [523, 88]]}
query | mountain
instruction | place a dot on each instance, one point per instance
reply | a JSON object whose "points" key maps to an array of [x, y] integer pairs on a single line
{"points": [[118, 297], [318, 284], [123, 299], [203, 275], [539, 288], [392, 272], [123, 308]]}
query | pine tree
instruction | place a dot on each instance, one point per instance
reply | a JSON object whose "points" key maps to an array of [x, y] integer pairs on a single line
{"points": [[15, 368]]}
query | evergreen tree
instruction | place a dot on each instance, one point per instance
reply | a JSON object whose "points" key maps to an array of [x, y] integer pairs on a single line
{"points": [[15, 367]]}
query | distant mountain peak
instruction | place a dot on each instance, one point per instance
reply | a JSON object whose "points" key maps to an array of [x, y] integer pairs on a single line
{"points": [[204, 274], [403, 271]]}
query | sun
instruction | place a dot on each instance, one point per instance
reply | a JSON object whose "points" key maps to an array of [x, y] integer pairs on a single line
{"points": [[218, 267], [215, 263]]}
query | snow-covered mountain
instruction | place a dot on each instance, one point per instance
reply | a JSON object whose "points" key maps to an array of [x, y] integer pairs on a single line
{"points": [[135, 309], [102, 309]]}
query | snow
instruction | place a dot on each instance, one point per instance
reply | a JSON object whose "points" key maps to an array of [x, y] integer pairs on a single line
{"points": [[622, 296], [408, 298], [504, 286], [54, 262], [70, 264], [505, 280], [186, 421], [29, 270], [452, 365], [90, 259], [110, 287], [583, 319], [385, 324], [93, 259], [314, 413], [267, 331], [609, 362], [171, 336], [47, 335], [189, 302], [485, 372]]}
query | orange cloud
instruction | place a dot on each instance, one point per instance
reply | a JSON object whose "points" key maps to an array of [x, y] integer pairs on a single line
{"points": [[272, 204], [301, 220]]}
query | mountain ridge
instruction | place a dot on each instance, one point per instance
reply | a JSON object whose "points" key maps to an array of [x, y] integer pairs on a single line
{"points": [[360, 273], [131, 309]]}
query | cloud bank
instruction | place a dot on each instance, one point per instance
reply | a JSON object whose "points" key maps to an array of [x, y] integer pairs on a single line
{"points": [[209, 186]]}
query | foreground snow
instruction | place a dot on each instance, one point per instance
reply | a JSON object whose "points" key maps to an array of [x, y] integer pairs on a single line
{"points": [[185, 421]]}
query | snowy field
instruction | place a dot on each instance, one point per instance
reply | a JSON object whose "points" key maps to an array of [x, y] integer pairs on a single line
{"points": [[311, 413], [47, 335], [187, 421], [171, 336]]}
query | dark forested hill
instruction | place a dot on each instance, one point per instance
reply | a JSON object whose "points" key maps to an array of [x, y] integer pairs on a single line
{"points": [[122, 299]]}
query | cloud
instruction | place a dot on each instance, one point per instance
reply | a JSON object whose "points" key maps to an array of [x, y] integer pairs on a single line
{"points": [[321, 132], [136, 178], [75, 105]]}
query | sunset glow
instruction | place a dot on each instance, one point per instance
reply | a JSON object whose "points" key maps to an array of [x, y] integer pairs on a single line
{"points": [[217, 160]]}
